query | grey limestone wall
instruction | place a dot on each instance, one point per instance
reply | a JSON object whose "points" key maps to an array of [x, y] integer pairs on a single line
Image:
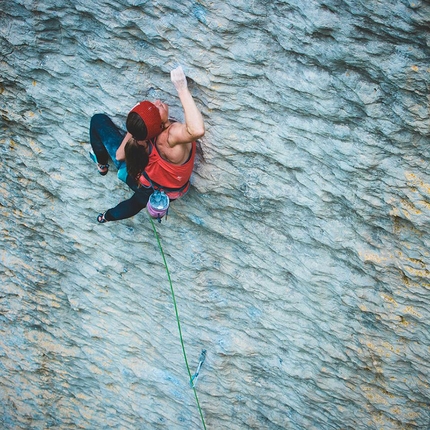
{"points": [[300, 257]]}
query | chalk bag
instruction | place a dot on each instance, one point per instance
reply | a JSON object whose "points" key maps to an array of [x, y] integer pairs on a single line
{"points": [[158, 205]]}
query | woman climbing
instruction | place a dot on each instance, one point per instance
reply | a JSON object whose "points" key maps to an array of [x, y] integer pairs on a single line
{"points": [[159, 154]]}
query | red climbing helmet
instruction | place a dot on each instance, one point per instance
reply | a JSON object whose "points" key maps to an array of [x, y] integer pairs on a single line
{"points": [[150, 116]]}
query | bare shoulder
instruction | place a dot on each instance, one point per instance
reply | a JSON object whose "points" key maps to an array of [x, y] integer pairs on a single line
{"points": [[180, 134], [177, 153]]}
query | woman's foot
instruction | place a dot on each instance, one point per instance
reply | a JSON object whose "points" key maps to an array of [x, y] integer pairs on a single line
{"points": [[103, 168], [101, 218]]}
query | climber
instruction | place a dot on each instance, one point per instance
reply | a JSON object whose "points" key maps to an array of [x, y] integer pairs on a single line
{"points": [[158, 152]]}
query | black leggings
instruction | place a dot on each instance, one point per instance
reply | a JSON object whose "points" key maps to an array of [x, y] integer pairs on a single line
{"points": [[132, 206], [105, 138]]}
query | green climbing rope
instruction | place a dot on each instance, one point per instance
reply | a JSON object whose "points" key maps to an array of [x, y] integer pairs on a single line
{"points": [[179, 323]]}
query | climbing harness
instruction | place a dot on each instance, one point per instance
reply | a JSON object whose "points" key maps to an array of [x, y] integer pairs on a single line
{"points": [[203, 354]]}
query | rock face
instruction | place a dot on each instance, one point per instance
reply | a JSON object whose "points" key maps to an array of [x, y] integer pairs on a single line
{"points": [[299, 259]]}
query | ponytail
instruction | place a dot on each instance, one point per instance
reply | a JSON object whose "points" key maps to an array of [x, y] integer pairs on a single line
{"points": [[136, 159]]}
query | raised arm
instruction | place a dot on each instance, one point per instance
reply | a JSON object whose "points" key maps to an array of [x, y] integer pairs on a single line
{"points": [[194, 127]]}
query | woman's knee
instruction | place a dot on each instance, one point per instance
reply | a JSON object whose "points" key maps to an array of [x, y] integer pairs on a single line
{"points": [[98, 119]]}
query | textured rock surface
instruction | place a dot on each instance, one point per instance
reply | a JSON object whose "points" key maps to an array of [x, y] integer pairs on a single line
{"points": [[300, 258]]}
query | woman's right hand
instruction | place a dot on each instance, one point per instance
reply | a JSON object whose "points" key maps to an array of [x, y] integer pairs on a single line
{"points": [[178, 78]]}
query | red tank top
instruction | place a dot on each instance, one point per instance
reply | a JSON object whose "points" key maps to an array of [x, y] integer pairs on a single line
{"points": [[173, 179]]}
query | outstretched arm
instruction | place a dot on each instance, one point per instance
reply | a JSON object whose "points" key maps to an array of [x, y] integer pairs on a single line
{"points": [[194, 127]]}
